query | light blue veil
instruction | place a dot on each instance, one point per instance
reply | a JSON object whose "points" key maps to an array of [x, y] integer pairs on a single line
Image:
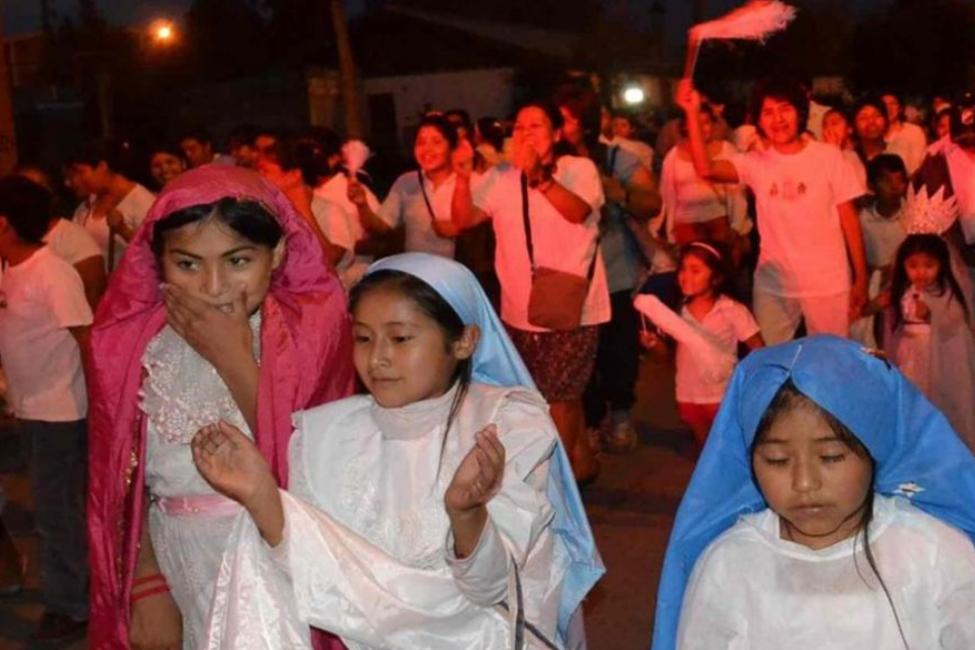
{"points": [[496, 362]]}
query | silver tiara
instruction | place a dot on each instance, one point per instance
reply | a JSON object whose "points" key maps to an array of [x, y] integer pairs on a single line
{"points": [[929, 214]]}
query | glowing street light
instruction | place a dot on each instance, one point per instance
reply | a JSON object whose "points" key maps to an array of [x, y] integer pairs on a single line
{"points": [[163, 32], [634, 95]]}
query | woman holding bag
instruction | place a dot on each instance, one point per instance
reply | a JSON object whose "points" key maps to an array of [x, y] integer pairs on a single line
{"points": [[545, 211]]}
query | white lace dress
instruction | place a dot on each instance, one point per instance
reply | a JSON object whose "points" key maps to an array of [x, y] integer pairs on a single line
{"points": [[181, 393]]}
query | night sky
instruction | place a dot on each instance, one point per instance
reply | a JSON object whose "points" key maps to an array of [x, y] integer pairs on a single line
{"points": [[24, 15]]}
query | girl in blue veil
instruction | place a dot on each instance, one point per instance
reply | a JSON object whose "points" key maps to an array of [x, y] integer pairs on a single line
{"points": [[361, 540], [763, 554]]}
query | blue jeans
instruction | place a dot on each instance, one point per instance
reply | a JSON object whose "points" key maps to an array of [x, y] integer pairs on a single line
{"points": [[58, 457]]}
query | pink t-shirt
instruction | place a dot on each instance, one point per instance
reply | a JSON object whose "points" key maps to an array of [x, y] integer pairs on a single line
{"points": [[803, 251]]}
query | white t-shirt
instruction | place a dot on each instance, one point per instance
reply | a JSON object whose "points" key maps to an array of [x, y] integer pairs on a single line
{"points": [[405, 203], [335, 224], [803, 251], [853, 159], [336, 190], [962, 170], [133, 207], [691, 199], [558, 244], [751, 589], [71, 242], [641, 150], [910, 143], [40, 299], [729, 322], [881, 235], [815, 122]]}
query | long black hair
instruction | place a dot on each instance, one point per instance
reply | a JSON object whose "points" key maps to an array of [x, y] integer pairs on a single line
{"points": [[437, 308], [249, 219], [717, 258], [935, 247], [788, 398]]}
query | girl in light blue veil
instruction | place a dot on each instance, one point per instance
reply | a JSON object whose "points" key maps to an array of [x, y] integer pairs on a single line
{"points": [[364, 539], [496, 362]]}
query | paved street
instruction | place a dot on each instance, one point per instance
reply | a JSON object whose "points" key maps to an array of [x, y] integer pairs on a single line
{"points": [[631, 508]]}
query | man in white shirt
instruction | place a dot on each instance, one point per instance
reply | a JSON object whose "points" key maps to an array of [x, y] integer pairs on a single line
{"points": [[72, 243], [44, 321], [624, 136], [903, 138], [809, 228]]}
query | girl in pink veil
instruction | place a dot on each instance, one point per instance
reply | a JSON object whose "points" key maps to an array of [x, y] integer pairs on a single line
{"points": [[249, 325]]}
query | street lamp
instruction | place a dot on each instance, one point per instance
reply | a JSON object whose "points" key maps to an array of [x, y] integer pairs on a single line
{"points": [[634, 95], [163, 32]]}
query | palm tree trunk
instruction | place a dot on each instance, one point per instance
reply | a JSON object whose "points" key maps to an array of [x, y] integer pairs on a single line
{"points": [[349, 78], [8, 136]]}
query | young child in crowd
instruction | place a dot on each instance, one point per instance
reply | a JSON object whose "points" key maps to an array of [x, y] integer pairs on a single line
{"points": [[930, 334], [44, 323], [882, 219], [833, 507], [249, 326], [708, 330], [438, 511]]}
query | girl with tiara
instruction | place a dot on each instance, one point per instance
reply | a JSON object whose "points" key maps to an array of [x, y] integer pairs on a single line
{"points": [[438, 511], [931, 337], [222, 309], [833, 507]]}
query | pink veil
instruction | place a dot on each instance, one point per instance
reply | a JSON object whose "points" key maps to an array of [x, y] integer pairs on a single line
{"points": [[305, 360]]}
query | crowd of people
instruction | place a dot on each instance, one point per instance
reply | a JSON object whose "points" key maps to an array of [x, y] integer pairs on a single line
{"points": [[280, 422]]}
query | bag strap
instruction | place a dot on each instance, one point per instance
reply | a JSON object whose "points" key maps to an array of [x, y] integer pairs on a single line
{"points": [[426, 199], [611, 159], [527, 220], [528, 232]]}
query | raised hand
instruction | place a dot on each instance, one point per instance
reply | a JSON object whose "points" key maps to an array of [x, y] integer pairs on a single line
{"points": [[526, 158], [462, 158], [356, 193], [687, 96], [230, 462], [478, 478]]}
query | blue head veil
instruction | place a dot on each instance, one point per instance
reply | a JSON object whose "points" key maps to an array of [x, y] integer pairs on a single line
{"points": [[496, 362], [917, 453]]}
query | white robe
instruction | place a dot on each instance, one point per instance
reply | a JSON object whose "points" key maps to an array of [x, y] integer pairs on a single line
{"points": [[367, 552], [752, 590]]}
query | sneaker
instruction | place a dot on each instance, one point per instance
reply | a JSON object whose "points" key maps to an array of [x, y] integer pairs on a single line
{"points": [[622, 438], [58, 627]]}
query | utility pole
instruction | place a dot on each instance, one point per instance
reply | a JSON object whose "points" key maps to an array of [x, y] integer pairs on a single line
{"points": [[349, 78], [8, 137]]}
